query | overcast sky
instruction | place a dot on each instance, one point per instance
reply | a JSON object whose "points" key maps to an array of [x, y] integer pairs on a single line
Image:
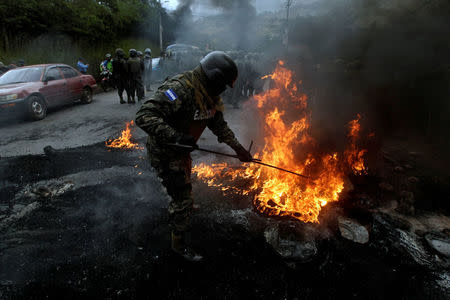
{"points": [[260, 4], [170, 4]]}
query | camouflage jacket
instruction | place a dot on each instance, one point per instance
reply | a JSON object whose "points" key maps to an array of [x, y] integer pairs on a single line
{"points": [[119, 66], [135, 65], [182, 105]]}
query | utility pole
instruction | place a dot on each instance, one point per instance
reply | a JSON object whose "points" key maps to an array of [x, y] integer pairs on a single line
{"points": [[288, 6], [160, 28]]}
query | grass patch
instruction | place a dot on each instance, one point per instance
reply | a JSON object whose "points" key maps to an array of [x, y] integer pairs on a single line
{"points": [[59, 48]]}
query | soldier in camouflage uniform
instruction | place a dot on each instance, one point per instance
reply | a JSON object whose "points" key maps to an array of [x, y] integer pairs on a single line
{"points": [[135, 67], [178, 112], [119, 66]]}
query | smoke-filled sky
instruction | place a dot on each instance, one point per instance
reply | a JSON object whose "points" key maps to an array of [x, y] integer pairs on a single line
{"points": [[261, 5]]}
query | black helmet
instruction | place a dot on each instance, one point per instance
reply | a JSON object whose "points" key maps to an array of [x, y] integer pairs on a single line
{"points": [[108, 56], [133, 52], [148, 51], [219, 69], [119, 52]]}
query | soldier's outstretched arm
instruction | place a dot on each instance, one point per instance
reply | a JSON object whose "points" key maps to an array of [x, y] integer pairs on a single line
{"points": [[224, 134], [220, 128], [154, 114]]}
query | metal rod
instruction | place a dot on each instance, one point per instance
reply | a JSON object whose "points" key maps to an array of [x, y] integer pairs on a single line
{"points": [[218, 153], [278, 168], [250, 147], [255, 160]]}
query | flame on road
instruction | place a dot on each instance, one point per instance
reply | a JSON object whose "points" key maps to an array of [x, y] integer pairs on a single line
{"points": [[288, 144], [124, 141], [353, 155]]}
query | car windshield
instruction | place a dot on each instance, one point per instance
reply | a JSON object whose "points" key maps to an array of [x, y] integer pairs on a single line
{"points": [[21, 75]]}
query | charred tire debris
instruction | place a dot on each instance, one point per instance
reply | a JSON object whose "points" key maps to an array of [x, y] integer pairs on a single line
{"points": [[80, 223]]}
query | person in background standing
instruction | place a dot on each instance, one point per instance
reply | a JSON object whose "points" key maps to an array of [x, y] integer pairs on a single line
{"points": [[147, 69], [140, 84], [106, 65], [134, 68], [81, 66], [119, 67]]}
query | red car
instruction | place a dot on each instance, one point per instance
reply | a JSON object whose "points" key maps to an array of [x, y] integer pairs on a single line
{"points": [[32, 89]]}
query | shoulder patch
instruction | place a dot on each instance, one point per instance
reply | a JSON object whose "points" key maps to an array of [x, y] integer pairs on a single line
{"points": [[171, 95]]}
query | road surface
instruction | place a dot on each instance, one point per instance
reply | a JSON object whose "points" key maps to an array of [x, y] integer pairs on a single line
{"points": [[67, 127], [82, 125]]}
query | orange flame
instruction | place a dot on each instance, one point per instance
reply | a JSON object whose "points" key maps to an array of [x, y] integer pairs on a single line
{"points": [[286, 141], [124, 141], [353, 155]]}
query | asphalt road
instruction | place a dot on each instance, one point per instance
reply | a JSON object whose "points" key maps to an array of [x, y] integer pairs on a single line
{"points": [[82, 125], [67, 127]]}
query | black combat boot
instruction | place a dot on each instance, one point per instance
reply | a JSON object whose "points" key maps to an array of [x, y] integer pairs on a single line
{"points": [[121, 100], [179, 247], [132, 100], [129, 99]]}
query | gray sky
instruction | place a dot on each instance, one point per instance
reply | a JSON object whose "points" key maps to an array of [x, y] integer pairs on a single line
{"points": [[170, 4], [261, 5]]}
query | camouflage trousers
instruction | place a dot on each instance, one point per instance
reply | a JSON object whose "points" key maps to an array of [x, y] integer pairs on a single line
{"points": [[136, 87], [176, 178]]}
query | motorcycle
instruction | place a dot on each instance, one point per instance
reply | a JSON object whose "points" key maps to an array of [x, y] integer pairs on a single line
{"points": [[106, 80]]}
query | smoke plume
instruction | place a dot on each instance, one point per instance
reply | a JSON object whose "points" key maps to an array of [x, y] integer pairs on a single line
{"points": [[222, 24]]}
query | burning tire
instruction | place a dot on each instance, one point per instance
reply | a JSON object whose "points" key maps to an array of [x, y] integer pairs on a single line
{"points": [[86, 96], [37, 109]]}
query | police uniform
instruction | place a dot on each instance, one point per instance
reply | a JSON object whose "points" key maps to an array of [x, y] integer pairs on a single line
{"points": [[119, 67], [134, 68]]}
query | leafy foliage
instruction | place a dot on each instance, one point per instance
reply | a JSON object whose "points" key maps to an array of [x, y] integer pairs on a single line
{"points": [[86, 21]]}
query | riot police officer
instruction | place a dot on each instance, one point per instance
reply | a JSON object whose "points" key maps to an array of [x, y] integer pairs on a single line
{"points": [[119, 67], [147, 68], [135, 68]]}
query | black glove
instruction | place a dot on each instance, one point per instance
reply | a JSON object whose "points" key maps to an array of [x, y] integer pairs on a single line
{"points": [[187, 139], [243, 154]]}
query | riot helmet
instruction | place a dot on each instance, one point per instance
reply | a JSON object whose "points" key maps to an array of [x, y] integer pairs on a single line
{"points": [[133, 53], [221, 71], [120, 53], [148, 51]]}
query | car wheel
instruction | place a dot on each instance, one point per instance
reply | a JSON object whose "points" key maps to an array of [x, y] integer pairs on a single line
{"points": [[86, 96], [37, 108]]}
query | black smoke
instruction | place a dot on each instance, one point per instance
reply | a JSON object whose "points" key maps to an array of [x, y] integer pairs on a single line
{"points": [[387, 60], [228, 25]]}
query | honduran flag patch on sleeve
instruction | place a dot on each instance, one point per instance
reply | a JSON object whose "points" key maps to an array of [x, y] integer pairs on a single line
{"points": [[171, 95]]}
